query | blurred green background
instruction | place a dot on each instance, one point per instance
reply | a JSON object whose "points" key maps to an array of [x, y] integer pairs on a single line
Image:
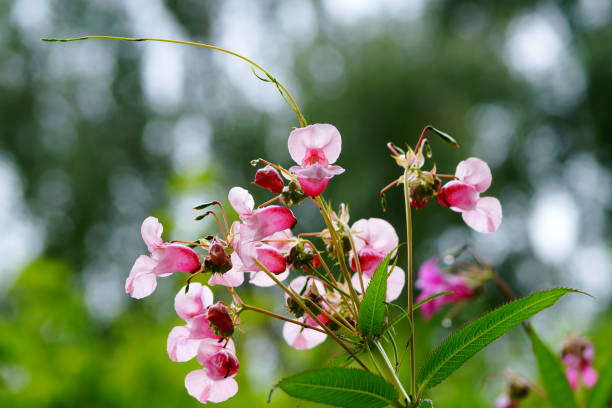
{"points": [[95, 136]]}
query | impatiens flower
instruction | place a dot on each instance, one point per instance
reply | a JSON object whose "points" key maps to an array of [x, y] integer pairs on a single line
{"points": [[165, 259], [281, 241], [269, 179], [432, 281], [215, 382], [315, 148], [374, 238], [578, 354], [504, 401], [184, 341], [299, 337], [395, 282], [483, 214]]}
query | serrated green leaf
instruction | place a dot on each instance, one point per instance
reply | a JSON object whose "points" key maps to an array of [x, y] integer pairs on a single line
{"points": [[341, 387], [602, 393], [446, 138], [551, 374], [372, 310], [474, 336]]}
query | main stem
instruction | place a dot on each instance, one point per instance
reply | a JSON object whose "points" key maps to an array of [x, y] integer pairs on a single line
{"points": [[409, 281], [292, 104], [396, 380]]}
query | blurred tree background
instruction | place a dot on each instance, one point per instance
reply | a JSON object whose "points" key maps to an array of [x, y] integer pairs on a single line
{"points": [[97, 135]]}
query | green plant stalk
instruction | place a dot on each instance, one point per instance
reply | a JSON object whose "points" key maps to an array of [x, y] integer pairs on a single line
{"points": [[409, 282], [340, 256], [315, 318], [280, 86], [357, 262], [391, 369]]}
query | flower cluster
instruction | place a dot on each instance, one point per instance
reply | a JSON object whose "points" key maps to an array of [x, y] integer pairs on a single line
{"points": [[577, 354], [321, 300]]}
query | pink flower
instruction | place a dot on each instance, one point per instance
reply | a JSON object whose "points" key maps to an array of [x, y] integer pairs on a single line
{"points": [[314, 148], [165, 259], [395, 282], [374, 239], [578, 354], [281, 241], [215, 382], [184, 341], [483, 214], [299, 337], [269, 179], [504, 401], [432, 281]]}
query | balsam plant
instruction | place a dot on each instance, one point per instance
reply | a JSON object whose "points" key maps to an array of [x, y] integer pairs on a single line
{"points": [[345, 279]]}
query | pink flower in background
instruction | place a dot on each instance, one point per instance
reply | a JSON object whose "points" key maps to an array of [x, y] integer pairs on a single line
{"points": [[298, 337], [483, 214], [432, 281], [314, 148], [504, 401], [164, 260], [578, 354]]}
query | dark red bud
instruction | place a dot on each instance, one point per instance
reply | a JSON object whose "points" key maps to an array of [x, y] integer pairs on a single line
{"points": [[418, 204], [269, 179], [217, 253], [220, 319]]}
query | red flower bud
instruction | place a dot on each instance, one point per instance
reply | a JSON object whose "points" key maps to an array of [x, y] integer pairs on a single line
{"points": [[220, 319], [269, 179], [217, 253]]}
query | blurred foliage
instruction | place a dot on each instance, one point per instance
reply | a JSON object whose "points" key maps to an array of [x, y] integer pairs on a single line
{"points": [[77, 126]]}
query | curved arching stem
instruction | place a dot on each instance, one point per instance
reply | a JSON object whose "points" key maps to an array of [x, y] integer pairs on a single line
{"points": [[280, 86]]}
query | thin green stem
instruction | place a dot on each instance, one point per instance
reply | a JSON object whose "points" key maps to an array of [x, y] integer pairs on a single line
{"points": [[409, 282], [281, 87], [297, 300], [396, 380], [277, 316], [355, 257]]}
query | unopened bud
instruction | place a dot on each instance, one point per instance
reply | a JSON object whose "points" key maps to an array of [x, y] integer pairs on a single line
{"points": [[300, 255], [269, 179], [217, 253], [220, 365], [220, 320], [292, 194]]}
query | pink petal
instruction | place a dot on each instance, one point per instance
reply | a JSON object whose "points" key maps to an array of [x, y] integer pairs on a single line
{"points": [[318, 136], [504, 401], [221, 365], [430, 275], [316, 171], [589, 352], [460, 288], [199, 385], [377, 233], [302, 338], [176, 258], [180, 346], [299, 284], [194, 302], [269, 179], [242, 201], [142, 281], [572, 377], [395, 283], [211, 346], [487, 216], [272, 259], [458, 196], [281, 240], [369, 259], [230, 279], [223, 390], [475, 172], [589, 376], [262, 280], [313, 187], [266, 221], [199, 328], [151, 231]]}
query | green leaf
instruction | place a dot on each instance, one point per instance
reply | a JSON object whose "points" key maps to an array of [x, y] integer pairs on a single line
{"points": [[341, 387], [426, 403], [446, 138], [551, 373], [429, 299], [602, 393], [474, 336], [372, 310]]}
